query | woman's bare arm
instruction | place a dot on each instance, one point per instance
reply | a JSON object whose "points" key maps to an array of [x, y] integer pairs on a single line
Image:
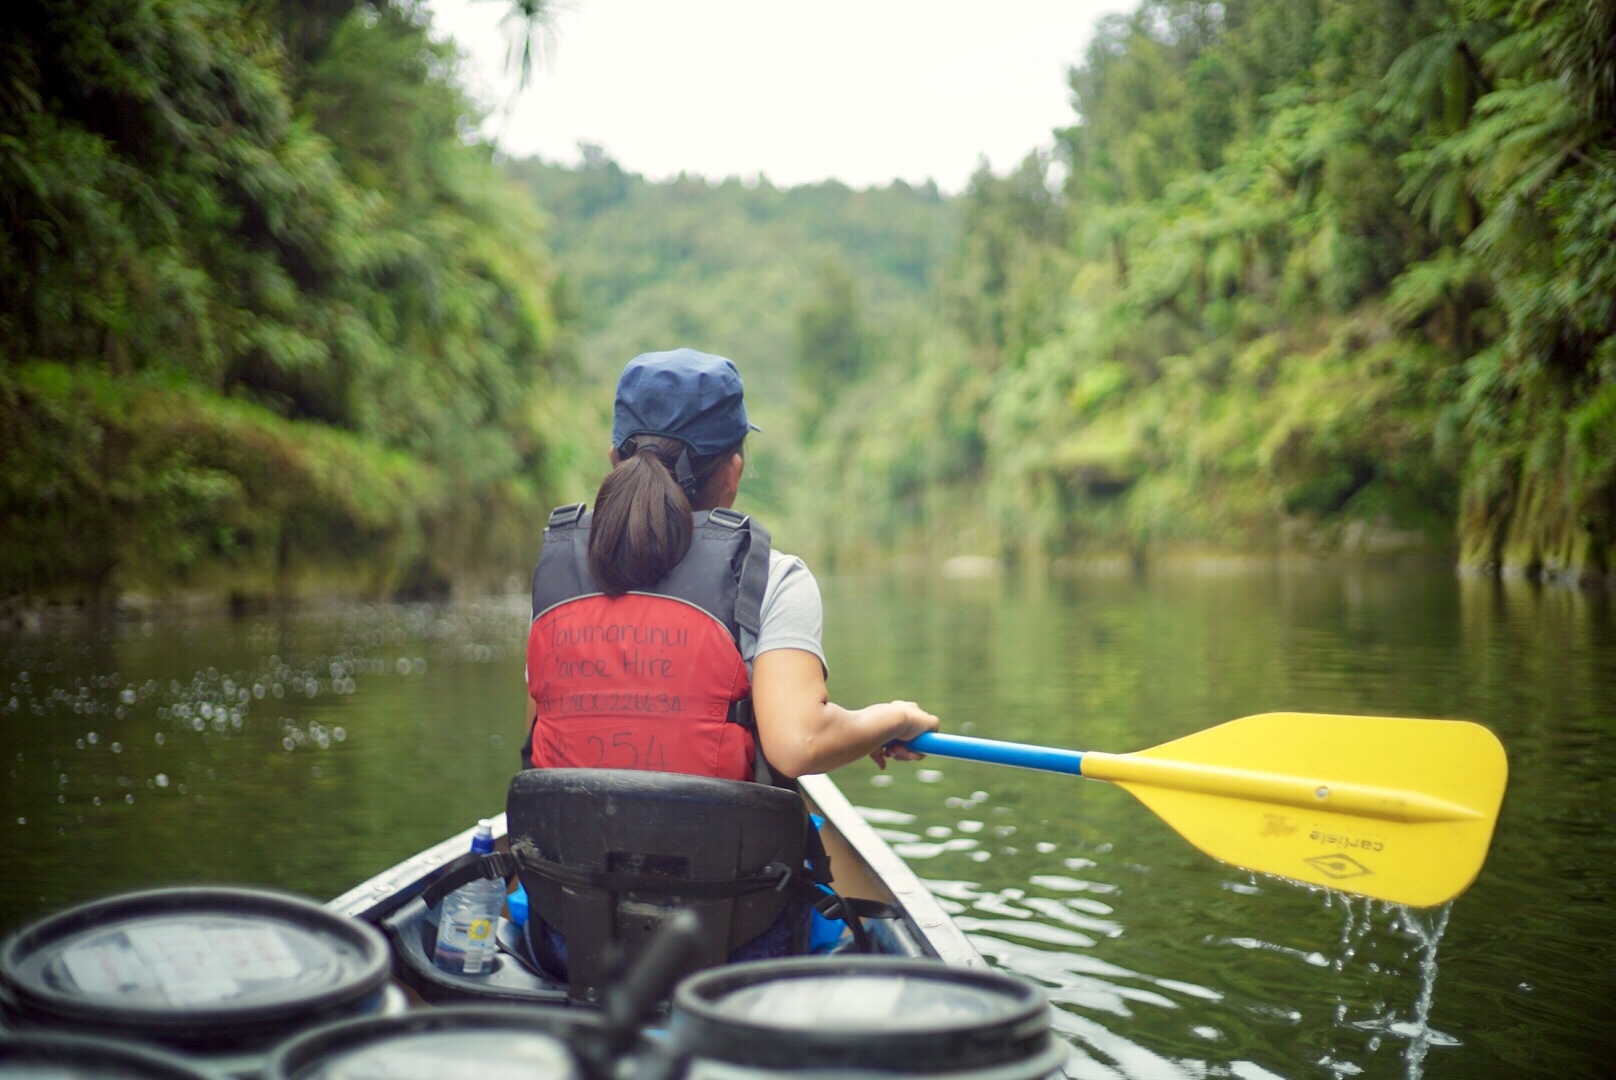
{"points": [[803, 731]]}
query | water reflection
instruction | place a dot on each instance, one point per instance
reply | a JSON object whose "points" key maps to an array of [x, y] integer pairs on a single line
{"points": [[311, 749], [207, 749], [1208, 971]]}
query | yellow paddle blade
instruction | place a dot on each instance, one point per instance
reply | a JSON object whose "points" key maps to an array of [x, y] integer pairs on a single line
{"points": [[1400, 810]]}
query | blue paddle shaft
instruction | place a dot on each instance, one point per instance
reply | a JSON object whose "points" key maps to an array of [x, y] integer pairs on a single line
{"points": [[994, 752]]}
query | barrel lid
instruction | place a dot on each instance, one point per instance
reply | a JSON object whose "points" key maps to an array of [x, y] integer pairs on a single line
{"points": [[461, 1042], [870, 1012], [194, 966], [39, 1057]]}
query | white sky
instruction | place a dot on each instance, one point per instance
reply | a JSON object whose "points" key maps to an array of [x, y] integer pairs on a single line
{"points": [[864, 92]]}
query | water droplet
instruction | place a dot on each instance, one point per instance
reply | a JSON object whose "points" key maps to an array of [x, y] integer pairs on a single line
{"points": [[403, 665], [22, 821], [162, 779], [1323, 793], [92, 738], [287, 744], [96, 800], [881, 780], [159, 738], [928, 776], [117, 748], [340, 734], [1525, 987], [129, 798]]}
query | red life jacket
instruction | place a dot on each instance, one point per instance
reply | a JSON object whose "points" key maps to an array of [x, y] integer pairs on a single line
{"points": [[653, 679]]}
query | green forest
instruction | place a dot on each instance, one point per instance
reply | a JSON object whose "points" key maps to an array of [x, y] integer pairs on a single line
{"points": [[1301, 277]]}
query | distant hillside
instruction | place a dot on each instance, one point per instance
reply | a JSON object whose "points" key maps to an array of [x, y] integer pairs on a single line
{"points": [[767, 276]]}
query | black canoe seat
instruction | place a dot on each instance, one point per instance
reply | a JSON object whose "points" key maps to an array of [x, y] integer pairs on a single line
{"points": [[607, 855]]}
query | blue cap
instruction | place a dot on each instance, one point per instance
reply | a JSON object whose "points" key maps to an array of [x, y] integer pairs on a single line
{"points": [[683, 394]]}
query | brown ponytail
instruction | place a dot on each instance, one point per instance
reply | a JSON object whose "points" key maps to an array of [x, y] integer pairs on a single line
{"points": [[642, 523]]}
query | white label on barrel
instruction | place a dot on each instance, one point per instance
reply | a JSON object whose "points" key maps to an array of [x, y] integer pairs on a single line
{"points": [[185, 965], [255, 953], [491, 1054], [193, 965], [107, 968], [863, 1002], [815, 1003]]}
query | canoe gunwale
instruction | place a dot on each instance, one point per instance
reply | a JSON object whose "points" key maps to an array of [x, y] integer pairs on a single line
{"points": [[926, 921]]}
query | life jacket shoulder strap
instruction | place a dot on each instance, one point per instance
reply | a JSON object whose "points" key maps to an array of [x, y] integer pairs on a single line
{"points": [[565, 517], [754, 573]]}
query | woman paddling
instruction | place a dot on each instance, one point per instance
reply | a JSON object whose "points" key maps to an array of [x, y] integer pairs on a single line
{"points": [[666, 633]]}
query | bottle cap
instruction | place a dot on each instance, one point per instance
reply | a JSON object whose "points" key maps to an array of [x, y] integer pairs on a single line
{"points": [[482, 841]]}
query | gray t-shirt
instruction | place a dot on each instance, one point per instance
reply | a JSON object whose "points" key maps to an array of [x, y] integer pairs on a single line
{"points": [[793, 616]]}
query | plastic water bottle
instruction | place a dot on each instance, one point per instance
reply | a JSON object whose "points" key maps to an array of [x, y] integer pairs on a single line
{"points": [[470, 914]]}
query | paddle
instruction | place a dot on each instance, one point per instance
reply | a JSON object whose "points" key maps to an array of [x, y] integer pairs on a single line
{"points": [[1400, 810]]}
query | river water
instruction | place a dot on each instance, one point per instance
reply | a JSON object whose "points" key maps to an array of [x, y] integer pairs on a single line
{"points": [[307, 750]]}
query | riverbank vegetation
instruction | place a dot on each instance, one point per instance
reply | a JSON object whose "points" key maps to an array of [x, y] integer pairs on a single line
{"points": [[1314, 277], [1300, 277], [270, 321]]}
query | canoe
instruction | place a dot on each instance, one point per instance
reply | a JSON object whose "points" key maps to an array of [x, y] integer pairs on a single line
{"points": [[293, 989], [863, 864]]}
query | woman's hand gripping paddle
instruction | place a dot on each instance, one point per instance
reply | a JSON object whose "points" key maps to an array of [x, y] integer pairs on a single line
{"points": [[1400, 810]]}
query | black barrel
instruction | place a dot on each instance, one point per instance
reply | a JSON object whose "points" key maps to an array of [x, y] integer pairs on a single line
{"points": [[478, 1042], [210, 970], [870, 1014], [39, 1056]]}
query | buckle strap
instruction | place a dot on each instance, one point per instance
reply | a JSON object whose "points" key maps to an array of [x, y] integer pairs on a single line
{"points": [[472, 866], [564, 517], [774, 875], [816, 859], [727, 517], [836, 906], [853, 911]]}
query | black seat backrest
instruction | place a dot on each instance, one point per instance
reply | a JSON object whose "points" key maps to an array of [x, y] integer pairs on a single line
{"points": [[571, 828]]}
